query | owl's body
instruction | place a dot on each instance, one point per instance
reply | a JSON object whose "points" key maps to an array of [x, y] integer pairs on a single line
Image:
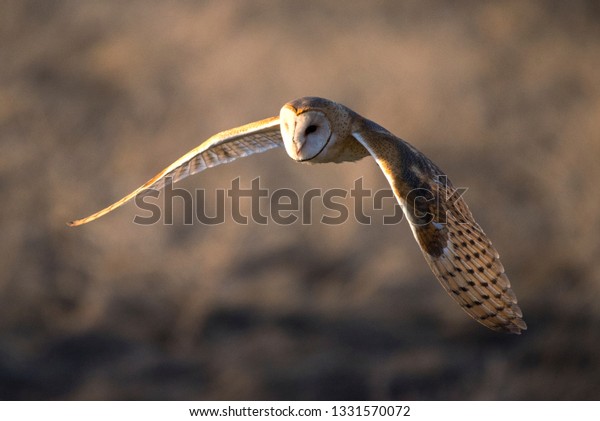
{"points": [[317, 130]]}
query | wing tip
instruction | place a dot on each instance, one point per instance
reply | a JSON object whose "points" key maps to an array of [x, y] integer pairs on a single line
{"points": [[76, 223], [514, 326], [520, 326]]}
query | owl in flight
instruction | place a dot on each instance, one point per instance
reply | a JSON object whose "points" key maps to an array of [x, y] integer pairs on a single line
{"points": [[317, 130]]}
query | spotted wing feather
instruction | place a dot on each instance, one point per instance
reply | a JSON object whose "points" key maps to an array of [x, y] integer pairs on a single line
{"points": [[468, 266], [221, 148], [457, 250]]}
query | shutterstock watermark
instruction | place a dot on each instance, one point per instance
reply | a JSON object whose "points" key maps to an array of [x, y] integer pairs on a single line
{"points": [[285, 206]]}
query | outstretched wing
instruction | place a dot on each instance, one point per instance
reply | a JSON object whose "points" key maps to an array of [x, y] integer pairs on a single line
{"points": [[457, 250], [221, 148]]}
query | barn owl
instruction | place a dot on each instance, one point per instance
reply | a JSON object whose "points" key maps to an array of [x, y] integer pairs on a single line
{"points": [[317, 130]]}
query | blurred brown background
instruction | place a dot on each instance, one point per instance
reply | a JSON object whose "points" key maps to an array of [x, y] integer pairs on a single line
{"points": [[96, 97]]}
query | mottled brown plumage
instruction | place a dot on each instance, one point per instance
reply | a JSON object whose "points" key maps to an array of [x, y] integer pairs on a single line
{"points": [[317, 130], [453, 244]]}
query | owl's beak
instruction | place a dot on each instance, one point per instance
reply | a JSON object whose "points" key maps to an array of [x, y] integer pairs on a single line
{"points": [[298, 144]]}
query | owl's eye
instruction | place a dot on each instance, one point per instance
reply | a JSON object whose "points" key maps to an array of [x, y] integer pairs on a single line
{"points": [[310, 129]]}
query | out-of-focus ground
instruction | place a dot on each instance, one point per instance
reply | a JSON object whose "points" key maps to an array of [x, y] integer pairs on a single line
{"points": [[96, 97]]}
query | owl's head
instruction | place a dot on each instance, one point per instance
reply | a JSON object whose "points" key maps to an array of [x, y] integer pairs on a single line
{"points": [[309, 128]]}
